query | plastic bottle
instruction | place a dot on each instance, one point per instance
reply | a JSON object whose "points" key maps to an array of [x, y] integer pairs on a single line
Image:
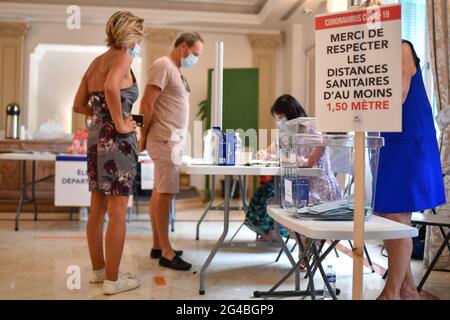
{"points": [[214, 146], [230, 149], [238, 150], [331, 276]]}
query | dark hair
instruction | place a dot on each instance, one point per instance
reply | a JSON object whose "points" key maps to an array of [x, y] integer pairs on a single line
{"points": [[189, 37], [289, 106], [413, 51]]}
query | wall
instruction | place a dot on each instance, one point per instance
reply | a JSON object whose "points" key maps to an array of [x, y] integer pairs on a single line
{"points": [[300, 37], [52, 96], [59, 69]]}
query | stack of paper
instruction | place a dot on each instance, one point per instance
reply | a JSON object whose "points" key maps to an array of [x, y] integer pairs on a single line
{"points": [[337, 210]]}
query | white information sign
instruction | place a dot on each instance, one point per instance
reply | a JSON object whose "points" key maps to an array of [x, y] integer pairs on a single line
{"points": [[71, 181], [359, 70]]}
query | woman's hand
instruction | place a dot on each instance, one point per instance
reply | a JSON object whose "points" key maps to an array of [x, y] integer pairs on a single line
{"points": [[128, 126], [262, 155]]}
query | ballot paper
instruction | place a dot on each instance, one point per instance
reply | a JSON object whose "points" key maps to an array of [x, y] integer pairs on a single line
{"points": [[340, 210]]}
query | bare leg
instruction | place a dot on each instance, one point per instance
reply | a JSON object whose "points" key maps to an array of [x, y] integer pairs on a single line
{"points": [[94, 230], [409, 290], [399, 260], [115, 235], [160, 213], [152, 210]]}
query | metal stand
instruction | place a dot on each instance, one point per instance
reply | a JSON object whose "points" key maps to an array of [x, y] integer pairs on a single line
{"points": [[172, 214], [310, 291], [445, 243], [23, 191], [221, 207], [221, 242]]}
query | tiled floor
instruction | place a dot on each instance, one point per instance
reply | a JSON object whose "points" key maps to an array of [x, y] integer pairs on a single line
{"points": [[34, 262]]}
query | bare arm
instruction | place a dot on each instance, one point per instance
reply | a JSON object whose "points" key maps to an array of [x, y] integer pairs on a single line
{"points": [[119, 70], [81, 99], [314, 156], [267, 154], [151, 94], [408, 70]]}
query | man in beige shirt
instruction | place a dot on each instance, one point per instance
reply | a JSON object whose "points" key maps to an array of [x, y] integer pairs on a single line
{"points": [[165, 106]]}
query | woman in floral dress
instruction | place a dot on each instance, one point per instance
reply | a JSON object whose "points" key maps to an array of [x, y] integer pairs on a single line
{"points": [[107, 93]]}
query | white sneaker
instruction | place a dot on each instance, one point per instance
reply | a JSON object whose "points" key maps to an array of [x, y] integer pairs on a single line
{"points": [[122, 284], [98, 276]]}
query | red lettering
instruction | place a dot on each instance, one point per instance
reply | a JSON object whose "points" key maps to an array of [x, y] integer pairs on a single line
{"points": [[370, 105]]}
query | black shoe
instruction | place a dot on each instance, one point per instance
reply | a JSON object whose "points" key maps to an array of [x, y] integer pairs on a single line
{"points": [[156, 253], [176, 263]]}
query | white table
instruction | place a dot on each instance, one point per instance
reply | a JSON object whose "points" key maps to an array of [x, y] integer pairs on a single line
{"points": [[34, 157], [24, 157], [376, 228], [241, 170], [228, 172], [238, 170]]}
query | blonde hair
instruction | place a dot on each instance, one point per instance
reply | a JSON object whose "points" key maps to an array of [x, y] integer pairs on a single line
{"points": [[123, 28]]}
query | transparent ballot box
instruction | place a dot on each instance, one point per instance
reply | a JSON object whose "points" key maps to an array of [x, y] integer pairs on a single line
{"points": [[318, 175], [299, 125]]}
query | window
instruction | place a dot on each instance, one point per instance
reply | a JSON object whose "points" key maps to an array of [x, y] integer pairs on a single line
{"points": [[415, 30]]}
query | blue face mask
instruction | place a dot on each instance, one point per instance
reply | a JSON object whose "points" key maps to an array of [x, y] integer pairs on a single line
{"points": [[133, 53], [189, 61]]}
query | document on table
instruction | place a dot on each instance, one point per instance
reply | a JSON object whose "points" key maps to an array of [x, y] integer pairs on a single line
{"points": [[337, 210]]}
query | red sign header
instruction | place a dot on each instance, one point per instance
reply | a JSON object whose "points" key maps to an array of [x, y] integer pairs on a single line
{"points": [[346, 19]]}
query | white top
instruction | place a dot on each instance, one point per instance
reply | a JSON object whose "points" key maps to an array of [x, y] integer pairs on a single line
{"points": [[242, 170], [376, 228], [28, 156], [435, 219]]}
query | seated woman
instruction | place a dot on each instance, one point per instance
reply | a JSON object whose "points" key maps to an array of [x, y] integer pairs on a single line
{"points": [[323, 188]]}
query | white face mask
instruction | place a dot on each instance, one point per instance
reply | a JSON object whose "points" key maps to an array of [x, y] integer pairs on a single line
{"points": [[189, 61], [281, 122]]}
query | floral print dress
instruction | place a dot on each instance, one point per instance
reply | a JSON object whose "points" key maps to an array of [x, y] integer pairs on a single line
{"points": [[112, 156]]}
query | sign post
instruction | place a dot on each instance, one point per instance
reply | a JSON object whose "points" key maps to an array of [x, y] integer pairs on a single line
{"points": [[359, 89]]}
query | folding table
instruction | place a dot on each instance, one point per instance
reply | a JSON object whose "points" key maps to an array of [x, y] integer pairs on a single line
{"points": [[24, 157], [376, 228], [228, 172]]}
